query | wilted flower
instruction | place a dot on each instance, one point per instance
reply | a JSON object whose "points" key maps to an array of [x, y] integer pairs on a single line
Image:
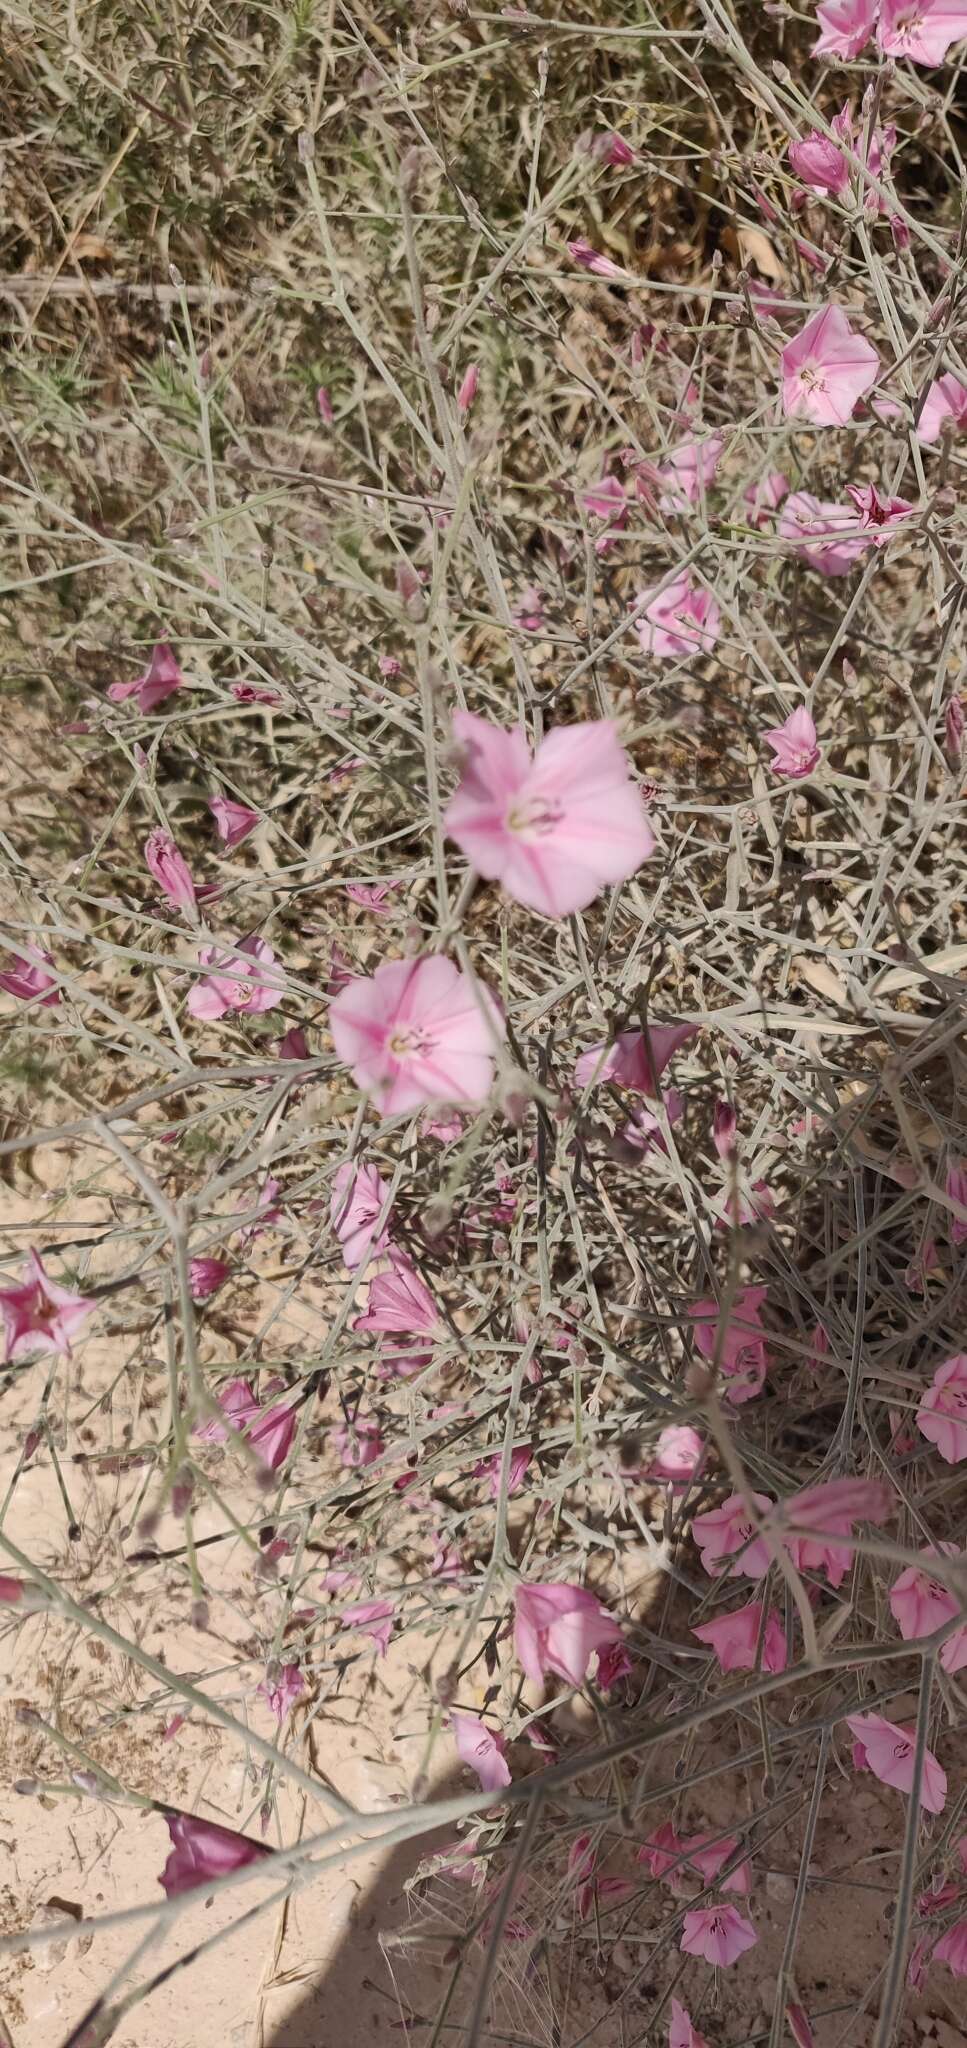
{"points": [[160, 678], [202, 1851]]}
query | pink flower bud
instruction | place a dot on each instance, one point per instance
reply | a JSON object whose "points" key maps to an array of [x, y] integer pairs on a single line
{"points": [[468, 389], [170, 870]]}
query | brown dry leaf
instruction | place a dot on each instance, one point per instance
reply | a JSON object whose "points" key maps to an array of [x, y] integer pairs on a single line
{"points": [[819, 975], [92, 249], [751, 245]]}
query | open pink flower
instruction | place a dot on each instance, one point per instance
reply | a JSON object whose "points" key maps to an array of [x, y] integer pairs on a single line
{"points": [[358, 1196], [826, 368], [233, 821], [416, 1032], [879, 517], [727, 1533], [945, 400], [358, 1444], [688, 471], [373, 1618], [482, 1749], [206, 1276], [202, 1851], [942, 1414], [160, 678], [888, 1751], [238, 1401], [956, 1188], [795, 750], [952, 1949], [824, 534], [636, 1060], [718, 1933], [170, 870], [829, 1511], [555, 829], [922, 30], [559, 1628], [240, 981], [734, 1638], [679, 1455], [607, 510], [281, 1687], [39, 1315], [919, 1604], [28, 978], [400, 1300], [846, 26], [741, 1349], [614, 1663], [678, 618], [681, 2033]]}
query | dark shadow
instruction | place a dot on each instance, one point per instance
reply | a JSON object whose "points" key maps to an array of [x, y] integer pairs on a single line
{"points": [[354, 2001]]}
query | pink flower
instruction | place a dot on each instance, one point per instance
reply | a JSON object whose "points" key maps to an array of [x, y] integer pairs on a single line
{"points": [[679, 1455], [234, 821], [236, 1400], [293, 1044], [160, 678], [708, 1854], [372, 1618], [919, 1604], [734, 1638], [376, 897], [281, 1688], [689, 471], [358, 1444], [846, 25], [416, 1032], [741, 1350], [956, 1189], [558, 1628], [468, 389], [555, 828], [170, 870], [678, 618], [489, 1469], [358, 1195], [719, 1933], [826, 368], [605, 506], [202, 1851], [614, 1663], [681, 2033], [880, 517], [611, 148], [28, 978], [239, 982], [39, 1315], [794, 746], [829, 1511], [400, 1300], [482, 1750], [388, 665], [324, 406], [819, 162], [636, 1060], [942, 1414], [945, 400], [663, 1852], [726, 1532], [888, 1751], [922, 30], [11, 1590], [765, 496], [824, 534], [581, 252], [206, 1276], [271, 1435], [952, 1948]]}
